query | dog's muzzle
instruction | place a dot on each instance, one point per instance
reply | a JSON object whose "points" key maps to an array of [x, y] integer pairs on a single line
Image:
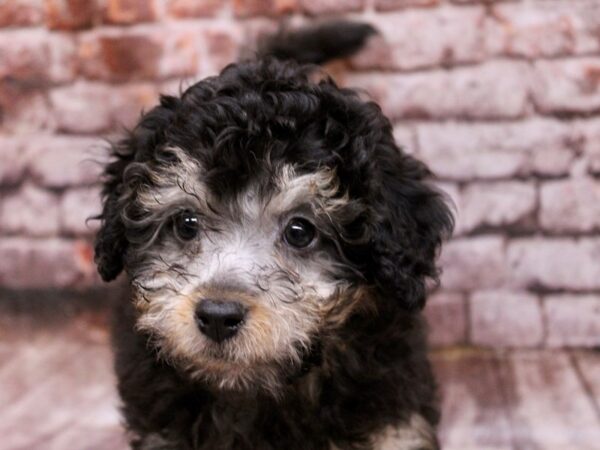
{"points": [[219, 319]]}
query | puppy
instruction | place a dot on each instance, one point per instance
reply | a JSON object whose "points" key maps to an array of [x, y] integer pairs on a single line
{"points": [[277, 245]]}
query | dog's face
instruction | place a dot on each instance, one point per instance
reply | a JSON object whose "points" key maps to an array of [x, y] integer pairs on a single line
{"points": [[258, 213], [235, 288]]}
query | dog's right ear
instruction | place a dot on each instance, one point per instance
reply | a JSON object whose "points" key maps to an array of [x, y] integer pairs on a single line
{"points": [[119, 189]]}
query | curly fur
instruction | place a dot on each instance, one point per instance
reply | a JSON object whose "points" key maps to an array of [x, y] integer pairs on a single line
{"points": [[240, 128]]}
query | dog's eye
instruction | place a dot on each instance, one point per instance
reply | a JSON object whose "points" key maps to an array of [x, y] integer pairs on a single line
{"points": [[187, 225], [299, 233]]}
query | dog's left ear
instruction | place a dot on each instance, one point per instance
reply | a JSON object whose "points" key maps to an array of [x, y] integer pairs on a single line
{"points": [[110, 243], [411, 221], [120, 185]]}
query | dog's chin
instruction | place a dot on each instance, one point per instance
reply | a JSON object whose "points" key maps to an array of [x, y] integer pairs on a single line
{"points": [[234, 365], [219, 373], [225, 376]]}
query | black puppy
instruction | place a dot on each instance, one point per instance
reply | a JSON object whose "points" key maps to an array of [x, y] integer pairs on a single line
{"points": [[277, 244]]}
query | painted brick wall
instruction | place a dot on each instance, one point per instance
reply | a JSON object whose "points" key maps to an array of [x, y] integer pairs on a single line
{"points": [[501, 98]]}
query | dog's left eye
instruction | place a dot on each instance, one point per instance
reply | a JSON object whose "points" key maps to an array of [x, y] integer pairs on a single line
{"points": [[187, 225], [299, 233]]}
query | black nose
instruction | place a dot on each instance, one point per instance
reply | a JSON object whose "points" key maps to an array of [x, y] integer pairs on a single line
{"points": [[219, 320]]}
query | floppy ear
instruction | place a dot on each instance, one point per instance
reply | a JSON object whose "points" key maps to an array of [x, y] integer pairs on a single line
{"points": [[110, 240], [412, 219], [119, 189]]}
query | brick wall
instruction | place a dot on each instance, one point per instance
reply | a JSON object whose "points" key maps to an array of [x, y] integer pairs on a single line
{"points": [[501, 98]]}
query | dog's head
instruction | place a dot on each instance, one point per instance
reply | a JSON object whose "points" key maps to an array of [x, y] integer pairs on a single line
{"points": [[259, 211]]}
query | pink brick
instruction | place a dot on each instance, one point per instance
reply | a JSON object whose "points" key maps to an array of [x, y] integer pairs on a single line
{"points": [[573, 320], [506, 319], [485, 2], [246, 8], [29, 109], [143, 52], [554, 263], [316, 7], [446, 316], [128, 102], [405, 138], [120, 57], [480, 150], [59, 162], [570, 205], [82, 107], [113, 106], [532, 30], [590, 135], [29, 211], [497, 204], [20, 13], [193, 8], [222, 48], [36, 56], [386, 5], [13, 160], [474, 263], [425, 38], [556, 159], [567, 86], [76, 207], [495, 90], [70, 14], [46, 263], [129, 11]]}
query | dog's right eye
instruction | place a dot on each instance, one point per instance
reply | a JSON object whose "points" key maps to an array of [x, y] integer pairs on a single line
{"points": [[187, 225], [299, 233]]}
